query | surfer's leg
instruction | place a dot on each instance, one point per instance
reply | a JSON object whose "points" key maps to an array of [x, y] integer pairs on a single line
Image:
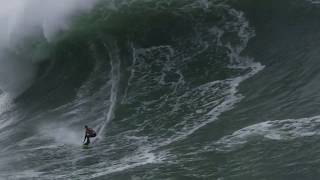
{"points": [[87, 140]]}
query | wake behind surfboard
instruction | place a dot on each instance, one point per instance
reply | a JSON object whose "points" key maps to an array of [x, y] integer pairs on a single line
{"points": [[86, 146]]}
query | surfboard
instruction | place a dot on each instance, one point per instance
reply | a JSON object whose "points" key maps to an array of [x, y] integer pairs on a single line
{"points": [[86, 146]]}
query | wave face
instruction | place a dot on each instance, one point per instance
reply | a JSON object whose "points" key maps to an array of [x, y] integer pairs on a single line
{"points": [[188, 89]]}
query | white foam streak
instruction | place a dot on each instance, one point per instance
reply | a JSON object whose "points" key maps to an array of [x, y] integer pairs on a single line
{"points": [[278, 130], [115, 80]]}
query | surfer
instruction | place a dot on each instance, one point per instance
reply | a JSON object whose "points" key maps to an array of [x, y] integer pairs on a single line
{"points": [[89, 134]]}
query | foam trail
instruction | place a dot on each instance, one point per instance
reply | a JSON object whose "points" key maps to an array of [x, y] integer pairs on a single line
{"points": [[115, 79]]}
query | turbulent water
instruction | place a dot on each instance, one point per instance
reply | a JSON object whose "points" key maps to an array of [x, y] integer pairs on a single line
{"points": [[176, 89]]}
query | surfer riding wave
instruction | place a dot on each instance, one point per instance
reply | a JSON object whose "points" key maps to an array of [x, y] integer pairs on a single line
{"points": [[90, 133]]}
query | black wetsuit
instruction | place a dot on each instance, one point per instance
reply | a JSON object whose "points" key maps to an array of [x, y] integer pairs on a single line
{"points": [[89, 133]]}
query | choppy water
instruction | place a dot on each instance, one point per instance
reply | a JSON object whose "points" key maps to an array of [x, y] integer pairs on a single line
{"points": [[188, 89]]}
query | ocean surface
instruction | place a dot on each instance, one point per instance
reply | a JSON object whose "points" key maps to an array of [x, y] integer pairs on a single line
{"points": [[176, 90]]}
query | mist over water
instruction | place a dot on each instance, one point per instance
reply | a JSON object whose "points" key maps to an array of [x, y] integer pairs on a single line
{"points": [[21, 20], [23, 17]]}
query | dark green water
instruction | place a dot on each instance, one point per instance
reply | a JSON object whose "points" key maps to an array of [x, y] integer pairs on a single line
{"points": [[184, 89]]}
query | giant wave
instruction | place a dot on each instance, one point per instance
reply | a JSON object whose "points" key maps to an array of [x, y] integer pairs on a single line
{"points": [[160, 81]]}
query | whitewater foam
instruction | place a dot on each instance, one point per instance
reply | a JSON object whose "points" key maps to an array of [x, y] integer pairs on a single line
{"points": [[231, 96], [170, 105], [30, 174], [227, 104], [277, 130]]}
